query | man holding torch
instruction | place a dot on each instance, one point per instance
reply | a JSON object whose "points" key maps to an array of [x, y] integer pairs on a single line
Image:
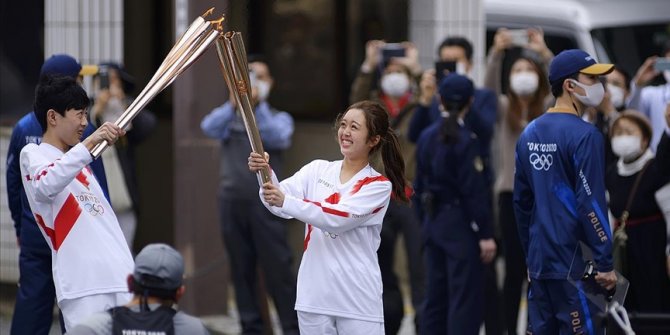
{"points": [[90, 257]]}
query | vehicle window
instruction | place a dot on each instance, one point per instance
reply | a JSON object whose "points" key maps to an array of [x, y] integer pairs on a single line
{"points": [[629, 46]]}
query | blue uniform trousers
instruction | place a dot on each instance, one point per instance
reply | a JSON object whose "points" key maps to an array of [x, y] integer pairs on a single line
{"points": [[454, 302], [33, 311], [557, 307]]}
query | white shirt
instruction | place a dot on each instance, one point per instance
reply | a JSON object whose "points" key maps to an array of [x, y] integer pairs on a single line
{"points": [[339, 274], [652, 101], [89, 253]]}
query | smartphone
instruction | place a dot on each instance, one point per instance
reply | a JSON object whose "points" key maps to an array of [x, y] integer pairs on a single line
{"points": [[391, 50], [103, 77], [662, 64], [442, 69], [519, 36]]}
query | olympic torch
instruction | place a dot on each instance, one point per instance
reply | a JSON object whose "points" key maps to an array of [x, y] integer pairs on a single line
{"points": [[191, 45], [235, 69]]}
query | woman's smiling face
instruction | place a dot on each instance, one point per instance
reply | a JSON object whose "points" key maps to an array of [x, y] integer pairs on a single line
{"points": [[352, 135]]}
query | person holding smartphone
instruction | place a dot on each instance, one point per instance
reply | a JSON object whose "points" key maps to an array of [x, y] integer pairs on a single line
{"points": [[398, 66], [526, 98], [652, 100]]}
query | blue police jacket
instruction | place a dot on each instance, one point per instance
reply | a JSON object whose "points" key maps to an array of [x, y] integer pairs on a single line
{"points": [[28, 130], [480, 120], [454, 175], [559, 195]]}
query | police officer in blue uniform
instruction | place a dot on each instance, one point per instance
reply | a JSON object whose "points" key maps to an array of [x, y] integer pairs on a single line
{"points": [[559, 198], [456, 218], [33, 311]]}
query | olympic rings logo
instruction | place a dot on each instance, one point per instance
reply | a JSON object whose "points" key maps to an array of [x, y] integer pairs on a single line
{"points": [[331, 235], [541, 161], [95, 210]]}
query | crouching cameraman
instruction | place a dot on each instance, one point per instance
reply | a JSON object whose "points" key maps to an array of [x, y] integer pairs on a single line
{"points": [[157, 287]]}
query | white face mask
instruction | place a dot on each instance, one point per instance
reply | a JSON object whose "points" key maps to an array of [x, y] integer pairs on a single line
{"points": [[462, 68], [666, 75], [594, 93], [524, 83], [616, 95], [395, 84], [263, 90], [626, 146]]}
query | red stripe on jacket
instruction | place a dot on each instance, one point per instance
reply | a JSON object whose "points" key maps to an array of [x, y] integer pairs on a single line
{"points": [[365, 181], [43, 172], [81, 177], [307, 237], [65, 219], [328, 210], [50, 232], [332, 199]]}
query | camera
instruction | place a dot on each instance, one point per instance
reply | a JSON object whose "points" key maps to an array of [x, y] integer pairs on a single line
{"points": [[391, 50], [103, 77], [519, 37], [662, 64], [442, 69]]}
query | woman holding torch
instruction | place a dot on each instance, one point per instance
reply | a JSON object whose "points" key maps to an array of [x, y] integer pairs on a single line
{"points": [[342, 204]]}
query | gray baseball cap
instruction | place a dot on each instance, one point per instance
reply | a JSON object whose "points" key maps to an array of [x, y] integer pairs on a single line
{"points": [[159, 266]]}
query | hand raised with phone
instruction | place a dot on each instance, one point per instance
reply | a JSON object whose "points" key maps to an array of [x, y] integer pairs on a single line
{"points": [[372, 54]]}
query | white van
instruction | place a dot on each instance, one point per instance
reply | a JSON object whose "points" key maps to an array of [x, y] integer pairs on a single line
{"points": [[624, 32]]}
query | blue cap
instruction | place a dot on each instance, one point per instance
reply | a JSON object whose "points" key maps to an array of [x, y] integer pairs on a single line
{"points": [[455, 88], [65, 65], [572, 61]]}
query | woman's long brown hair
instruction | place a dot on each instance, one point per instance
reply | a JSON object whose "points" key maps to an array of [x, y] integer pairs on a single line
{"points": [[377, 122]]}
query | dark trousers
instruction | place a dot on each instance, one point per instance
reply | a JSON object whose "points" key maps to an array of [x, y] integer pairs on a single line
{"points": [[492, 312], [33, 311], [649, 290], [400, 219], [515, 262], [454, 302], [255, 237], [558, 307]]}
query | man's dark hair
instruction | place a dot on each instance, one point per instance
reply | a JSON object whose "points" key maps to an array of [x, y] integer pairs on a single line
{"points": [[457, 41], [252, 58], [60, 93], [144, 287], [557, 86]]}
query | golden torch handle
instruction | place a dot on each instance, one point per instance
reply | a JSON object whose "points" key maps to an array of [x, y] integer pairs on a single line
{"points": [[234, 66]]}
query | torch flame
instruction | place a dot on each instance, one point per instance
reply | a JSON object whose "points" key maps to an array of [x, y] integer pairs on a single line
{"points": [[207, 13]]}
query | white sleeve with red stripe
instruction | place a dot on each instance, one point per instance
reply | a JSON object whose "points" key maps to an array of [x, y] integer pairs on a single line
{"points": [[293, 185], [352, 211], [47, 179]]}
